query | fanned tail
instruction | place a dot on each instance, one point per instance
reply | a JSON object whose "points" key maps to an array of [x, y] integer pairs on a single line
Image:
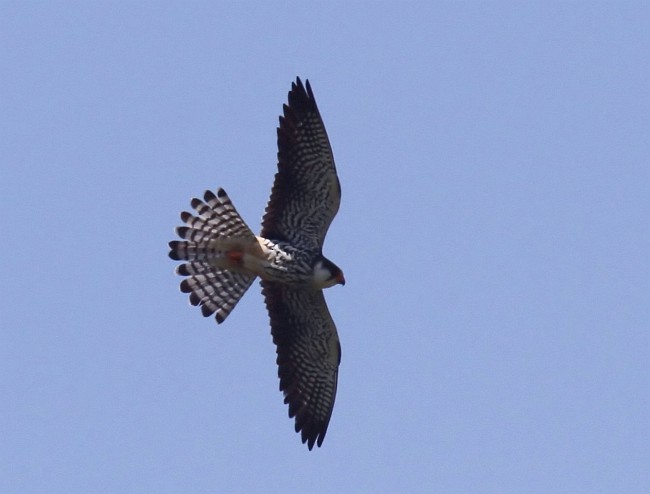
{"points": [[208, 237]]}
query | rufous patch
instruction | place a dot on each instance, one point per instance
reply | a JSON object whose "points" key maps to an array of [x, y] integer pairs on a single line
{"points": [[235, 256]]}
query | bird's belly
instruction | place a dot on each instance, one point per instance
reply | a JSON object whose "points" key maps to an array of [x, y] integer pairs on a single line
{"points": [[274, 261]]}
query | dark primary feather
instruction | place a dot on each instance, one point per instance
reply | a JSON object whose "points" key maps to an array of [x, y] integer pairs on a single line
{"points": [[308, 356], [306, 192]]}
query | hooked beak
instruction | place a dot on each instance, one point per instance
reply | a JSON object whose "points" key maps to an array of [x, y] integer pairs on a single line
{"points": [[340, 279]]}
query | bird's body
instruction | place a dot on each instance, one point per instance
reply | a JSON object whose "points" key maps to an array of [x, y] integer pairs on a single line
{"points": [[224, 257]]}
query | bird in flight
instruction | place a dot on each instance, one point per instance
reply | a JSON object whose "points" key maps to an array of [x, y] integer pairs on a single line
{"points": [[223, 257]]}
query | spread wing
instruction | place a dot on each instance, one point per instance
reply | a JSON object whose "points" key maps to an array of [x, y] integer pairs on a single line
{"points": [[306, 192], [309, 354]]}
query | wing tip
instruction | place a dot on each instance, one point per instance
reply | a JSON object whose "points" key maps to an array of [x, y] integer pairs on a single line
{"points": [[314, 437], [298, 83], [301, 96]]}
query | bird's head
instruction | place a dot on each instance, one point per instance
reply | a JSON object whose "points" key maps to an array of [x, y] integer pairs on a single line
{"points": [[327, 274]]}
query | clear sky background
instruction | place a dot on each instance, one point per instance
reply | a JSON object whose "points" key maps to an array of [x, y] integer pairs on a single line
{"points": [[494, 233]]}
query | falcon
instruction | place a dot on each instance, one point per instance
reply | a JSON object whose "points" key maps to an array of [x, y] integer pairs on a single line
{"points": [[223, 257]]}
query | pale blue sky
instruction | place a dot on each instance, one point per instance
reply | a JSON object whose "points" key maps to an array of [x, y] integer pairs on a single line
{"points": [[494, 233]]}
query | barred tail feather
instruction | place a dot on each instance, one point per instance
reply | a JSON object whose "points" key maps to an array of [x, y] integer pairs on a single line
{"points": [[217, 215], [217, 223], [207, 236], [215, 291], [186, 251]]}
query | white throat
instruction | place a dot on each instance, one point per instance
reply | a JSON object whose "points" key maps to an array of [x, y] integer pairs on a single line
{"points": [[322, 276]]}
